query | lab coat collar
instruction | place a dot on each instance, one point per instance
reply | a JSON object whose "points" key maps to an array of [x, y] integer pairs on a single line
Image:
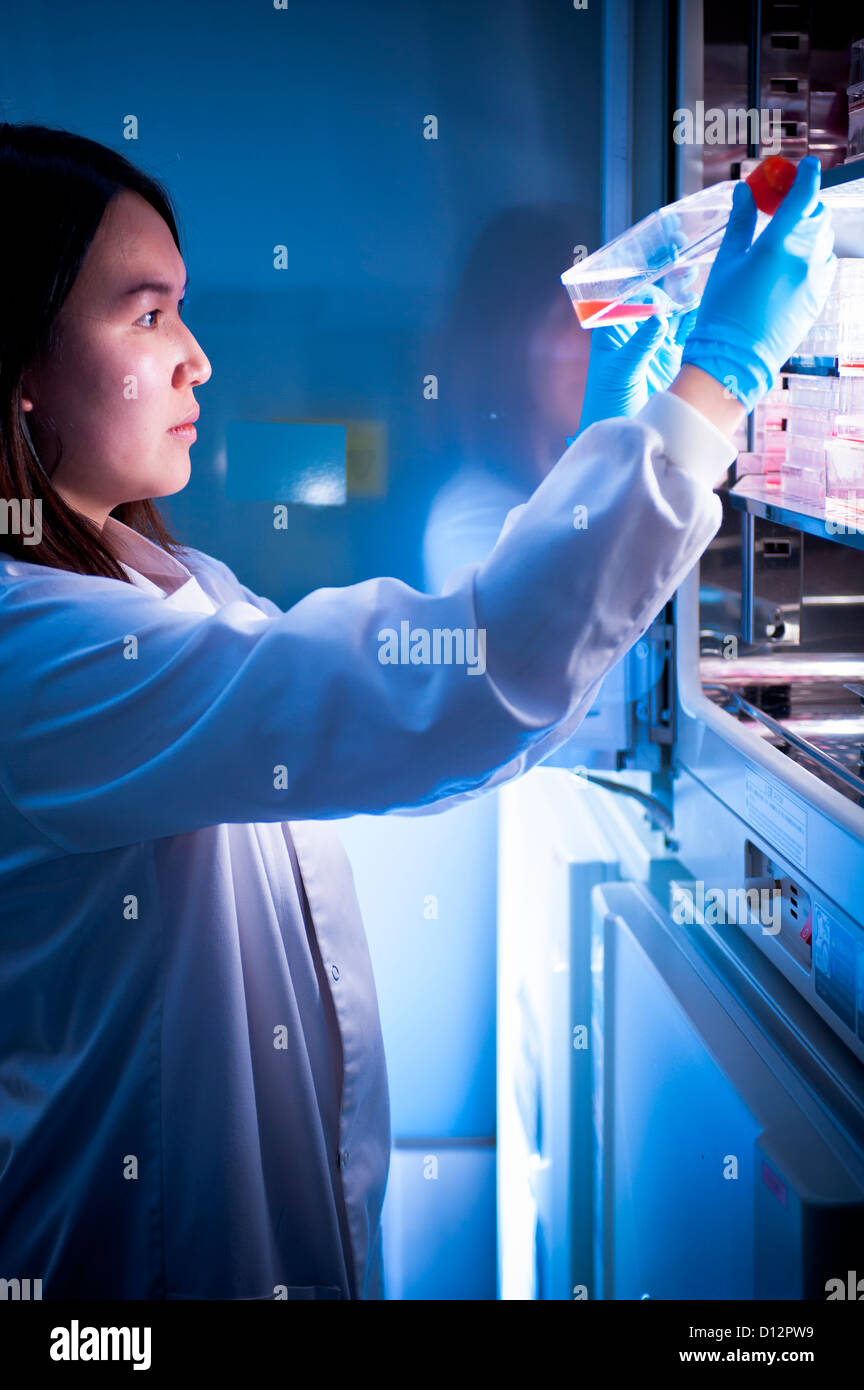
{"points": [[134, 550]]}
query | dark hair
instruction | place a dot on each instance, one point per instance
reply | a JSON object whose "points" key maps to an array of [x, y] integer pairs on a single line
{"points": [[55, 188]]}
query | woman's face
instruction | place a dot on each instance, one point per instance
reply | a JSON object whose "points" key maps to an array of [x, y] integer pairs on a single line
{"points": [[124, 370]]}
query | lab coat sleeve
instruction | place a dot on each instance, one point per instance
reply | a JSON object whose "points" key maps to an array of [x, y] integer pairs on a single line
{"points": [[122, 719], [644, 528], [464, 522]]}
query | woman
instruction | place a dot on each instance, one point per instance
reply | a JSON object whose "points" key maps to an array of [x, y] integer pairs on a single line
{"points": [[194, 1095]]}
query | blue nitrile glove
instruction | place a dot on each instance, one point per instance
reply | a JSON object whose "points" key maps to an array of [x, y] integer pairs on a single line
{"points": [[665, 365], [761, 299], [626, 365]]}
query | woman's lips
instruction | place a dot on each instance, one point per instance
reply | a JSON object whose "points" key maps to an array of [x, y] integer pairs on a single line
{"points": [[185, 428]]}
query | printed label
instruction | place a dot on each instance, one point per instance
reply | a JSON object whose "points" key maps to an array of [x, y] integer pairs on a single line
{"points": [[781, 817]]}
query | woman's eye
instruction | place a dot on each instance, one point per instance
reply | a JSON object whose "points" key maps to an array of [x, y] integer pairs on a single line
{"points": [[151, 312]]}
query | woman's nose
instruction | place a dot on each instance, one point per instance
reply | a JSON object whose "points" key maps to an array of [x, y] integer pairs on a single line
{"points": [[199, 362]]}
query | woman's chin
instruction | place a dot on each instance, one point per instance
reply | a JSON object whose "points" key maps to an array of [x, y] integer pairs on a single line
{"points": [[171, 480]]}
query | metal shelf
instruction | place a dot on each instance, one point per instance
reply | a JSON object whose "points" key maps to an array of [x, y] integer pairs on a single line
{"points": [[751, 494]]}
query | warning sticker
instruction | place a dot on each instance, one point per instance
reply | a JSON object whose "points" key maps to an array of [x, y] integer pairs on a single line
{"points": [[781, 817]]}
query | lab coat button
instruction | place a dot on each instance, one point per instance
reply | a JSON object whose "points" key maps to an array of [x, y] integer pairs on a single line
{"points": [[344, 1157], [334, 971]]}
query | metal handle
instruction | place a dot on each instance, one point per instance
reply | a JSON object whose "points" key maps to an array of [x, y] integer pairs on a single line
{"points": [[825, 760], [748, 561]]}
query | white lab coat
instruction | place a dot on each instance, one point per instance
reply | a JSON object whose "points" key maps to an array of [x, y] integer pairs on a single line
{"points": [[194, 1094]]}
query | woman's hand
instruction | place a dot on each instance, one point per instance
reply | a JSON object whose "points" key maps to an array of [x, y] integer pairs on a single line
{"points": [[626, 366], [762, 296]]}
